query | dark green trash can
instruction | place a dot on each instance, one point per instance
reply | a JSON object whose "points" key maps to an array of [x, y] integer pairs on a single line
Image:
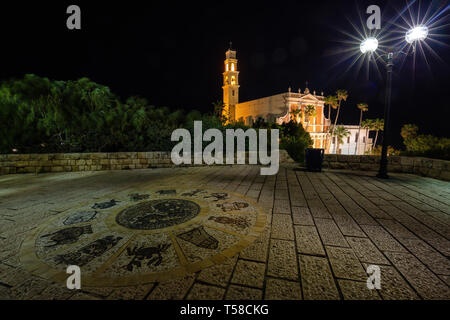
{"points": [[314, 159]]}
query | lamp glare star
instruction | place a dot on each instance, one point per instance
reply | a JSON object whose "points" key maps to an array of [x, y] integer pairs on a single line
{"points": [[416, 34], [369, 45]]}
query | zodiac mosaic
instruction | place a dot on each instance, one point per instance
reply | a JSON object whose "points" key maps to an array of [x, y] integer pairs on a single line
{"points": [[144, 235]]}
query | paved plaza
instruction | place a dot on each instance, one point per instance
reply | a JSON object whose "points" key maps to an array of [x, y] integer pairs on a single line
{"points": [[224, 233]]}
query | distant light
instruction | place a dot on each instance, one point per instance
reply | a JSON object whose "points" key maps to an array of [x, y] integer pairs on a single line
{"points": [[417, 33], [369, 45]]}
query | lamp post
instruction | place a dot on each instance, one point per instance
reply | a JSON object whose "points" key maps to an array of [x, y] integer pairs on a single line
{"points": [[370, 45]]}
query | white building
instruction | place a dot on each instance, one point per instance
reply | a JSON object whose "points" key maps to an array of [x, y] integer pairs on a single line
{"points": [[352, 145]]}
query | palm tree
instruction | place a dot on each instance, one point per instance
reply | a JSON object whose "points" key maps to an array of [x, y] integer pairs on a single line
{"points": [[363, 107], [369, 126], [378, 125], [331, 102], [310, 112], [295, 113], [340, 133], [342, 95]]}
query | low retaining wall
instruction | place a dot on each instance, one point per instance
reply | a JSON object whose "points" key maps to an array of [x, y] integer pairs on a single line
{"points": [[72, 162], [439, 169]]}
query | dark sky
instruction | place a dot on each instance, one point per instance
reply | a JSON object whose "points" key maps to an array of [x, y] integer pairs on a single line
{"points": [[172, 52]]}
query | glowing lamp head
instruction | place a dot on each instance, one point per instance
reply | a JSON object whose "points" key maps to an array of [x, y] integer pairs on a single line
{"points": [[416, 34], [369, 45]]}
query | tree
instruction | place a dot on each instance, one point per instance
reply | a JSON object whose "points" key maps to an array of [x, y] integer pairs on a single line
{"points": [[363, 107], [368, 125], [310, 112], [331, 102], [295, 114], [342, 95], [378, 125], [409, 131], [219, 111], [340, 133]]}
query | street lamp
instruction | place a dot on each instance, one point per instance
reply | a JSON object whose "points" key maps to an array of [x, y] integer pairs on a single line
{"points": [[370, 45]]}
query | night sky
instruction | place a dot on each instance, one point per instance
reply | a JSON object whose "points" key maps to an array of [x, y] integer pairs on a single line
{"points": [[172, 53]]}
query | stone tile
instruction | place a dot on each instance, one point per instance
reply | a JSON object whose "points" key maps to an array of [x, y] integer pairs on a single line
{"points": [[396, 229], [366, 251], [345, 264], [243, 293], [54, 292], [317, 209], [446, 279], [308, 240], [172, 290], [258, 250], [83, 296], [277, 289], [393, 286], [204, 292], [249, 273], [330, 233], [382, 239], [29, 289], [131, 293], [282, 206], [423, 280], [435, 261], [317, 280], [302, 216], [282, 260], [5, 293], [218, 274], [355, 290], [282, 227]]}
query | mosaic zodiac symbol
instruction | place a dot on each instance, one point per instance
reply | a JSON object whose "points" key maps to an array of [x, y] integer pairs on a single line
{"points": [[234, 206], [68, 235], [105, 205], [200, 238], [239, 222], [88, 253], [166, 192], [138, 197], [80, 217], [193, 193], [152, 254], [218, 196]]}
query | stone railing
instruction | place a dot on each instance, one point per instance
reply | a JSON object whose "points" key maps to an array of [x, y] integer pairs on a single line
{"points": [[72, 162], [439, 169]]}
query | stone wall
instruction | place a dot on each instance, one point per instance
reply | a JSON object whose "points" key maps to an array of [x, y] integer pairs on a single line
{"points": [[72, 162], [439, 169]]}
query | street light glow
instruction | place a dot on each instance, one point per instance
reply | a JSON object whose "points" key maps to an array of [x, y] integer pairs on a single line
{"points": [[369, 45], [417, 33]]}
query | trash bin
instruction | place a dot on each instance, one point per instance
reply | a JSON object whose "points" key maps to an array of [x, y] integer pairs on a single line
{"points": [[314, 159]]}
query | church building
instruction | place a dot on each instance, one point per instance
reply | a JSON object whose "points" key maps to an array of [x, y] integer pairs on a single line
{"points": [[307, 107]]}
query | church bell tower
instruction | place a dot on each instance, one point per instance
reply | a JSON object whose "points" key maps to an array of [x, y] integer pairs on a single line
{"points": [[230, 85]]}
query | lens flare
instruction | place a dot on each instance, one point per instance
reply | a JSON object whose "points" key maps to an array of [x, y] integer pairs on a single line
{"points": [[417, 34], [369, 45]]}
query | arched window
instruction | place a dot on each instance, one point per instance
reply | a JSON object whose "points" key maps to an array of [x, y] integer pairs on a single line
{"points": [[228, 67], [232, 67], [233, 80]]}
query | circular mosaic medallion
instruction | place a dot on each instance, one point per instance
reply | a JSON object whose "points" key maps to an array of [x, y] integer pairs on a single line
{"points": [[157, 214], [143, 235]]}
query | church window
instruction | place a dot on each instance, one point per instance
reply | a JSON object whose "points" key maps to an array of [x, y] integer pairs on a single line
{"points": [[348, 140], [233, 80], [228, 67], [233, 93], [232, 67]]}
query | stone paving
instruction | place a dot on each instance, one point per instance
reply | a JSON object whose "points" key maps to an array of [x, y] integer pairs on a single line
{"points": [[307, 236]]}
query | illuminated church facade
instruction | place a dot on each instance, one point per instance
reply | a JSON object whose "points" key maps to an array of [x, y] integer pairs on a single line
{"points": [[279, 109]]}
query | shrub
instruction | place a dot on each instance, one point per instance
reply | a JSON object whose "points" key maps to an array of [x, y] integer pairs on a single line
{"points": [[424, 145]]}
